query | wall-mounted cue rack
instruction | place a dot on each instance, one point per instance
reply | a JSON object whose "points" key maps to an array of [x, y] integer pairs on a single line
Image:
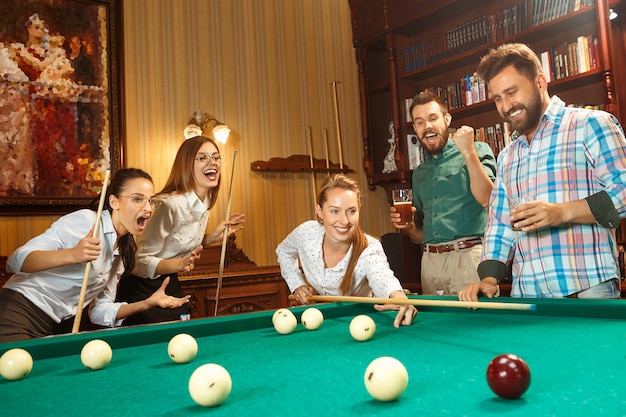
{"points": [[299, 163]]}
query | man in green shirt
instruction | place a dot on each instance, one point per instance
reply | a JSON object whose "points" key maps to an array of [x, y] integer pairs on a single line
{"points": [[451, 190]]}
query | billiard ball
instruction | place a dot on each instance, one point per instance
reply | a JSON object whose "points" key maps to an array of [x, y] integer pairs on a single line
{"points": [[15, 364], [210, 385], [182, 348], [508, 376], [386, 378], [96, 354], [280, 311], [312, 318], [362, 328], [285, 322]]}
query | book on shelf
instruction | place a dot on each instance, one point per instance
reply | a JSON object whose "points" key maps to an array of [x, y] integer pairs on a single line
{"points": [[476, 33]]}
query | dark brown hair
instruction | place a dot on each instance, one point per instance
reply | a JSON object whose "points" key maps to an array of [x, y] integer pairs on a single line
{"points": [[359, 240], [519, 55], [426, 97], [126, 244]]}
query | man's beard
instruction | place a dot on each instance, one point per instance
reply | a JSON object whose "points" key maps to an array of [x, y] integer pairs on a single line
{"points": [[437, 147], [531, 117]]}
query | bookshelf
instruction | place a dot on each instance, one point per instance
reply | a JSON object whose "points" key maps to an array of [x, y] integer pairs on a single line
{"points": [[405, 46]]}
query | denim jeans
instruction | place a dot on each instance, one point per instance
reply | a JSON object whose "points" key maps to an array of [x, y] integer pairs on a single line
{"points": [[607, 289]]}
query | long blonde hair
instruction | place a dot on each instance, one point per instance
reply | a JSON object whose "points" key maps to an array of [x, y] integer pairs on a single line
{"points": [[359, 240]]}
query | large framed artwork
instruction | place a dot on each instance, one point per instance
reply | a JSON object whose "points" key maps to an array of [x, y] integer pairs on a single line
{"points": [[60, 102]]}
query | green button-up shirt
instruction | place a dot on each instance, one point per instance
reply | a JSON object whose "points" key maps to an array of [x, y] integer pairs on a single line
{"points": [[442, 196]]}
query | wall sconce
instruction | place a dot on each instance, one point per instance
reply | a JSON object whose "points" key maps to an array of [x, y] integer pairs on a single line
{"points": [[612, 14], [198, 122]]}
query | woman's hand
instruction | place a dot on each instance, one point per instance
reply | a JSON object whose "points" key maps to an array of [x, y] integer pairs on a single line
{"points": [[235, 224], [406, 313], [301, 293]]}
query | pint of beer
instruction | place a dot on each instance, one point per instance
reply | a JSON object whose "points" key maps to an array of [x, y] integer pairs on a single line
{"points": [[403, 203]]}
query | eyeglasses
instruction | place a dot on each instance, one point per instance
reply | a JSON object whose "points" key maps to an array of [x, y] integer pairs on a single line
{"points": [[139, 200], [205, 158]]}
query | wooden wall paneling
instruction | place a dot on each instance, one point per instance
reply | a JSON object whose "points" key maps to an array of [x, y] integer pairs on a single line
{"points": [[263, 68]]}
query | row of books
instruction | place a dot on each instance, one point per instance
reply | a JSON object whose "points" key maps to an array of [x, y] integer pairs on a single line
{"points": [[571, 58], [474, 34], [497, 136], [547, 10], [470, 89]]}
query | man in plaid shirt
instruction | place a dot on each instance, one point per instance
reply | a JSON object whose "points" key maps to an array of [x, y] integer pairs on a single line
{"points": [[572, 163]]}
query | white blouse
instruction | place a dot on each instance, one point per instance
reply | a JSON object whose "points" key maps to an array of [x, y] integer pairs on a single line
{"points": [[56, 291], [176, 228], [304, 244]]}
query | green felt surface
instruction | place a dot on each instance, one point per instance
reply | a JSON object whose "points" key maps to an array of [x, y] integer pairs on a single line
{"points": [[578, 365]]}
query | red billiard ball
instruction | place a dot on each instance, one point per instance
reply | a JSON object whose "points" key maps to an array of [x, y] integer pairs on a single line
{"points": [[508, 376]]}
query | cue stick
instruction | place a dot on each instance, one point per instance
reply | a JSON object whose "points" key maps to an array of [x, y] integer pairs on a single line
{"points": [[220, 274], [83, 289], [313, 186], [420, 302], [336, 106], [326, 151]]}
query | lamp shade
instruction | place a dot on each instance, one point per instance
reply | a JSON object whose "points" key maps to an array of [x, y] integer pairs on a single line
{"points": [[221, 132]]}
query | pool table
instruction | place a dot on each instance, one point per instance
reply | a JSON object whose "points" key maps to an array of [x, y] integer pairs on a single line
{"points": [[576, 350]]}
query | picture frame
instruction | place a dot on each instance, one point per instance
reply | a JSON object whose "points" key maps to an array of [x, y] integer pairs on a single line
{"points": [[61, 110]]}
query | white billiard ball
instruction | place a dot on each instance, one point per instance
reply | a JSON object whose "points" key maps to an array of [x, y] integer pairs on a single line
{"points": [[362, 328], [312, 318], [285, 322], [182, 348], [15, 364], [96, 354], [210, 385], [280, 311], [386, 378]]}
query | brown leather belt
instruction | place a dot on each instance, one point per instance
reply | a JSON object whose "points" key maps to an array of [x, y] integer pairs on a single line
{"points": [[449, 247]]}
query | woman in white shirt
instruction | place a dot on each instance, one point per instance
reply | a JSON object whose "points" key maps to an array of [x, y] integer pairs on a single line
{"points": [[42, 295], [332, 256], [174, 238]]}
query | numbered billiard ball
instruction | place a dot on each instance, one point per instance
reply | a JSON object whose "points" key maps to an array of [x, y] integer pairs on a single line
{"points": [[96, 354], [285, 322], [15, 364], [386, 378], [210, 385], [280, 311], [182, 348], [508, 376], [312, 318], [362, 328]]}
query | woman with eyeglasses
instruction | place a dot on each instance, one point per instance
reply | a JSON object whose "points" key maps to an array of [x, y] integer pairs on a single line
{"points": [[174, 238], [41, 298]]}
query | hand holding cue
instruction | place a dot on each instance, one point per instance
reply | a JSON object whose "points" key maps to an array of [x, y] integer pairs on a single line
{"points": [[220, 274], [83, 289], [419, 302]]}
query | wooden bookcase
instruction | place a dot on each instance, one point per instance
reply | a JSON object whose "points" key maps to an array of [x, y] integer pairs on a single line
{"points": [[386, 31]]}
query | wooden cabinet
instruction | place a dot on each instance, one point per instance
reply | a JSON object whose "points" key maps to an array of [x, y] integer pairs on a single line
{"points": [[405, 46], [243, 291], [246, 287]]}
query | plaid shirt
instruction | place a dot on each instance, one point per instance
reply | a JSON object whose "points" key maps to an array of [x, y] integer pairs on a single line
{"points": [[574, 154]]}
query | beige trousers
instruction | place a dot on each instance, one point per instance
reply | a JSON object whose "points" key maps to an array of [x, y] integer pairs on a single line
{"points": [[450, 272]]}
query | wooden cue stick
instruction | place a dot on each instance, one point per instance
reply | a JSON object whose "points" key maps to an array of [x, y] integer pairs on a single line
{"points": [[83, 289], [420, 302], [313, 185], [326, 150], [220, 274], [336, 105]]}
